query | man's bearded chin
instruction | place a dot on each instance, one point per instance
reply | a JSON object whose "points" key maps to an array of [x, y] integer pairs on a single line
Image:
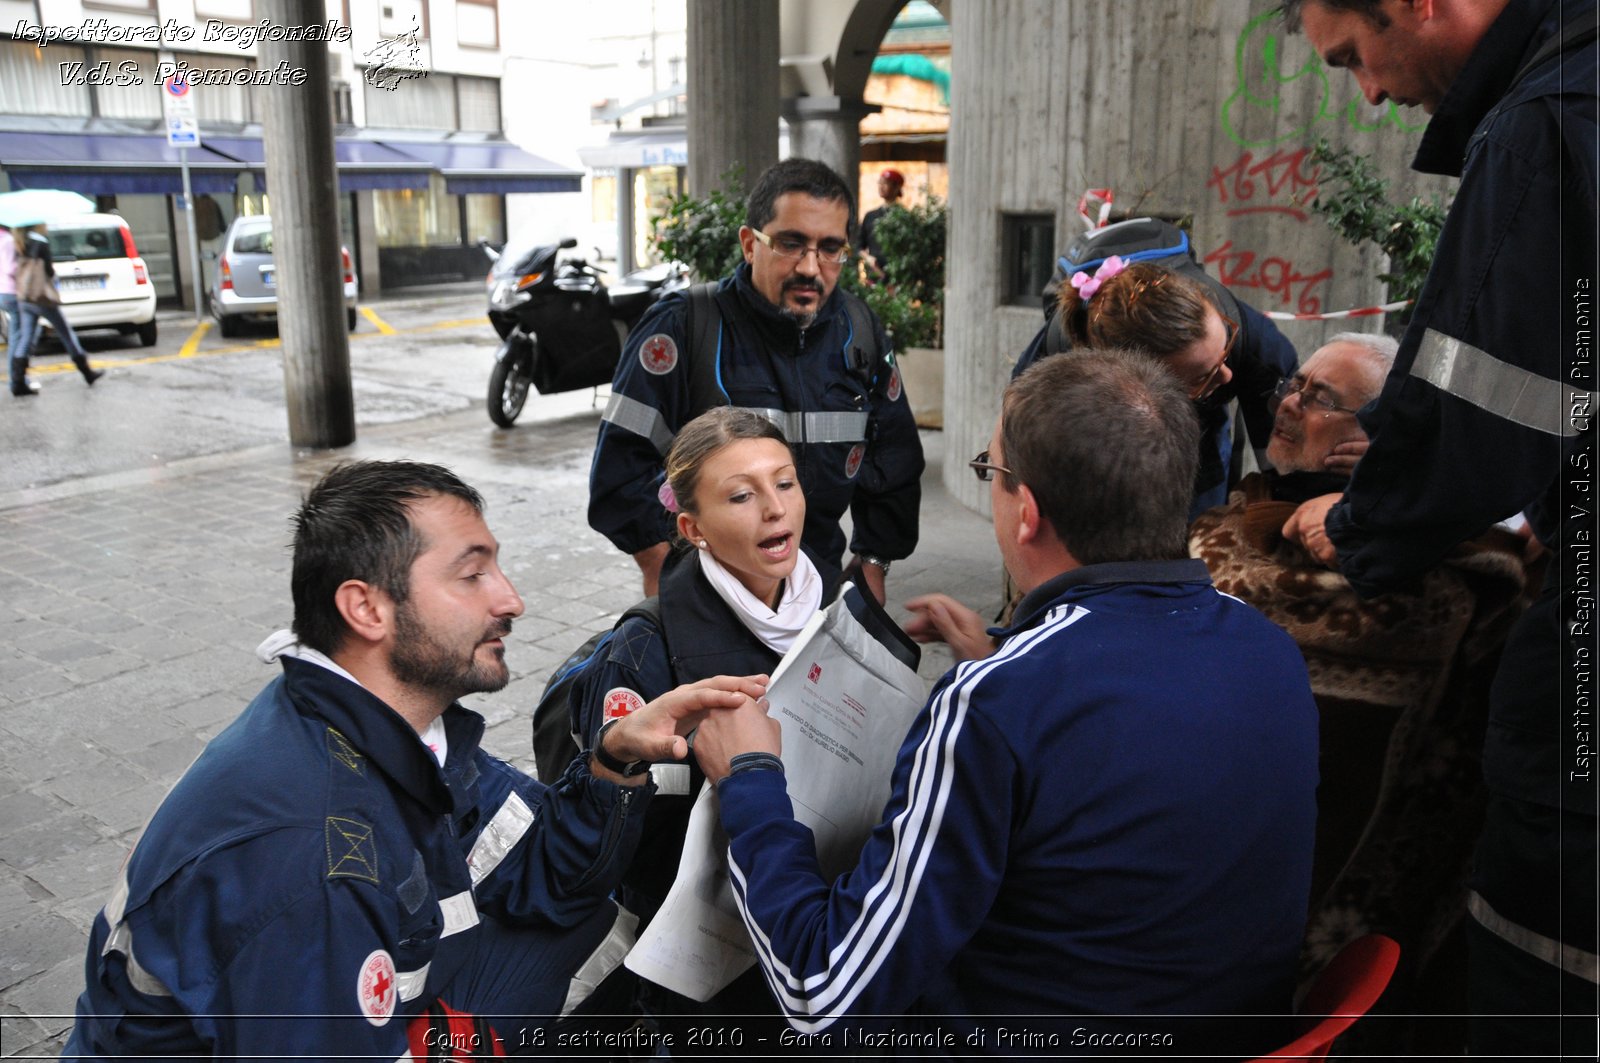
{"points": [[803, 318]]}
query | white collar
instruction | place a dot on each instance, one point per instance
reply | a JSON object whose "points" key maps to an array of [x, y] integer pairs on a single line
{"points": [[286, 643]]}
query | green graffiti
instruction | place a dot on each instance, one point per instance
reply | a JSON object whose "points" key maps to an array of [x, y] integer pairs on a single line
{"points": [[1266, 96]]}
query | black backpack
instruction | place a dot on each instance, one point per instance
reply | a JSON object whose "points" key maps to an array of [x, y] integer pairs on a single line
{"points": [[1135, 240], [554, 741]]}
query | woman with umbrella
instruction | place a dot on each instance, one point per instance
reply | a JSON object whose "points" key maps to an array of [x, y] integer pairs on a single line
{"points": [[33, 282], [37, 298]]}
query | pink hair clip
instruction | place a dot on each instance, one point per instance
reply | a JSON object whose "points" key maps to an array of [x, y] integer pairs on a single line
{"points": [[1086, 285], [665, 496]]}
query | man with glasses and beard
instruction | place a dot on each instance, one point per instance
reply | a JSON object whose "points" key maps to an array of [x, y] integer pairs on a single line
{"points": [[343, 871], [782, 338], [1105, 810]]}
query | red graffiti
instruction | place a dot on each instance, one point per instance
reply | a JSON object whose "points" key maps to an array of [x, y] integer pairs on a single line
{"points": [[1284, 178], [1241, 269]]}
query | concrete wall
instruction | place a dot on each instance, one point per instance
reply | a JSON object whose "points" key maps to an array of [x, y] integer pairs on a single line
{"points": [[1205, 108]]}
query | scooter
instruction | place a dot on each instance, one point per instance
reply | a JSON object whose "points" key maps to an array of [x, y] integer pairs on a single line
{"points": [[561, 329]]}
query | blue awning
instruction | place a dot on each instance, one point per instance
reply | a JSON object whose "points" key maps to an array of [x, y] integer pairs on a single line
{"points": [[361, 164], [489, 166], [107, 164]]}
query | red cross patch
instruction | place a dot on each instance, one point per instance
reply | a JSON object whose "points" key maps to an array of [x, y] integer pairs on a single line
{"points": [[893, 390], [619, 702], [375, 988], [815, 673], [852, 463], [658, 354]]}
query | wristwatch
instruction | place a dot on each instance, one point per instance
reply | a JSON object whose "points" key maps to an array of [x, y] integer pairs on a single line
{"points": [[626, 769], [874, 559]]}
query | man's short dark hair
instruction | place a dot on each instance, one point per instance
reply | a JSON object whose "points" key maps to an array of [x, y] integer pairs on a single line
{"points": [[1109, 443], [356, 524], [1371, 9], [809, 176]]}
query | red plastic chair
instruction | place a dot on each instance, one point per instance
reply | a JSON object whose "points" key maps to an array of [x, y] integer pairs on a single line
{"points": [[1345, 990]]}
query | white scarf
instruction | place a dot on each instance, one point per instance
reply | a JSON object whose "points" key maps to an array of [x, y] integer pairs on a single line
{"points": [[802, 597]]}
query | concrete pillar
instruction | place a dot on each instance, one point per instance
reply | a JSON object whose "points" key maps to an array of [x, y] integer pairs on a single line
{"points": [[733, 89], [304, 186], [827, 128]]}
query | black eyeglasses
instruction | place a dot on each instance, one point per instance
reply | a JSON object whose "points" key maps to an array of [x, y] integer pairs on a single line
{"points": [[1208, 383], [829, 252], [984, 469], [1312, 396]]}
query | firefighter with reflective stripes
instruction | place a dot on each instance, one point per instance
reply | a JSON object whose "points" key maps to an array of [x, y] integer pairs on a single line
{"points": [[779, 337], [1485, 414], [344, 872]]}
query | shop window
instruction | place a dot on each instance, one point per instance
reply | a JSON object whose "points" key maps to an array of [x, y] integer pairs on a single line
{"points": [[653, 189], [486, 218], [1027, 253], [409, 217]]}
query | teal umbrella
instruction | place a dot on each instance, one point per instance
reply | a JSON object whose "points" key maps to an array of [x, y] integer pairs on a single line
{"points": [[31, 206]]}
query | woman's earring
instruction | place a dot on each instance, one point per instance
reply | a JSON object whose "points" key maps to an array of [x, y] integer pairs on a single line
{"points": [[702, 544]]}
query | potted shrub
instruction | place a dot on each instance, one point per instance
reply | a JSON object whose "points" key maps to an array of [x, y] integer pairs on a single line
{"points": [[910, 301]]}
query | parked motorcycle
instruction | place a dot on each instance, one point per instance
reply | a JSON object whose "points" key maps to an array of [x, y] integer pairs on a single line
{"points": [[561, 329]]}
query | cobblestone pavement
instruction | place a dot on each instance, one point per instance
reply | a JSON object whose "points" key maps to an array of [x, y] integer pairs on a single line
{"points": [[132, 604]]}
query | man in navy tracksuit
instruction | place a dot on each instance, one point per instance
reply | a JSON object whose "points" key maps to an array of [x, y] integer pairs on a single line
{"points": [[1107, 809], [1487, 413], [792, 346], [344, 863]]}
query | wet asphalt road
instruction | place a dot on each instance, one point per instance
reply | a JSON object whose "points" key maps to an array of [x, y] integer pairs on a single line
{"points": [[195, 393]]}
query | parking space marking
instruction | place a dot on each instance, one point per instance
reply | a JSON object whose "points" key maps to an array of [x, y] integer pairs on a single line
{"points": [[192, 344], [383, 326]]}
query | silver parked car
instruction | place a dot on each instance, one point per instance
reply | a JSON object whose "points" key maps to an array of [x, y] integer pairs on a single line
{"points": [[244, 284]]}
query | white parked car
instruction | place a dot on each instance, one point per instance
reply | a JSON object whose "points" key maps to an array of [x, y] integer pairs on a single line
{"points": [[102, 281], [244, 285]]}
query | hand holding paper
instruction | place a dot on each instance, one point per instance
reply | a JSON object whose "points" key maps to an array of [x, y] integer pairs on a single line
{"points": [[724, 735]]}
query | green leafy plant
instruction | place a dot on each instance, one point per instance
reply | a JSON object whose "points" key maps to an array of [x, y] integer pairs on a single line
{"points": [[910, 302], [1354, 201], [702, 232]]}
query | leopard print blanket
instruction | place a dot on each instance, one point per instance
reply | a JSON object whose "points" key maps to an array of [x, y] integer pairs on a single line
{"points": [[1401, 684]]}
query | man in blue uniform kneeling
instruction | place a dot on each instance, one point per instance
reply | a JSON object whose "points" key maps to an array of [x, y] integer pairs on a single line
{"points": [[343, 871], [1106, 810]]}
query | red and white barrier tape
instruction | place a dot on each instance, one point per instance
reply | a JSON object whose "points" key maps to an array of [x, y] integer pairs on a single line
{"points": [[1089, 195], [1334, 315]]}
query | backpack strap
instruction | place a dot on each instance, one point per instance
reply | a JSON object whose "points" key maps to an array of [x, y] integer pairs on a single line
{"points": [[861, 346], [650, 609], [708, 312], [1578, 32]]}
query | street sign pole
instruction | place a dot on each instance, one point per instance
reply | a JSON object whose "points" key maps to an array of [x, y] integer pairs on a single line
{"points": [[194, 243], [183, 133]]}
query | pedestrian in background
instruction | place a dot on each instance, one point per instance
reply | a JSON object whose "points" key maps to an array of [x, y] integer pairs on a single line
{"points": [[8, 290], [34, 284], [890, 185]]}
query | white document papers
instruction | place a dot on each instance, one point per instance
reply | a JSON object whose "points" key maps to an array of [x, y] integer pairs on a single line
{"points": [[844, 702]]}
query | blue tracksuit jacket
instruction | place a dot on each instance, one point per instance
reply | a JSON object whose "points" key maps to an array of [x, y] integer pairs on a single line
{"points": [[1112, 814]]}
